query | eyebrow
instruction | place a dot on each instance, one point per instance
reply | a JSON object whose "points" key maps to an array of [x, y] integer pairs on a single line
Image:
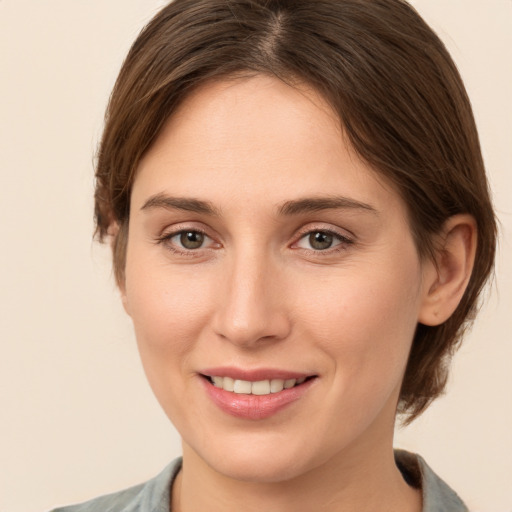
{"points": [[188, 204], [316, 204], [289, 208]]}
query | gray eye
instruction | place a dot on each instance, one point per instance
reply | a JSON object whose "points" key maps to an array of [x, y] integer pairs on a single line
{"points": [[191, 239], [320, 240]]}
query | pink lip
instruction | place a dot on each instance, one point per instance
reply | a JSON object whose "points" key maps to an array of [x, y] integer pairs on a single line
{"points": [[254, 407], [253, 375]]}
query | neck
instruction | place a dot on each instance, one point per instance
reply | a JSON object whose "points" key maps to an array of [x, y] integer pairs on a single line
{"points": [[345, 483]]}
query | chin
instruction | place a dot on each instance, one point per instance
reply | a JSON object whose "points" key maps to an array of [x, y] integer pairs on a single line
{"points": [[258, 461], [259, 469]]}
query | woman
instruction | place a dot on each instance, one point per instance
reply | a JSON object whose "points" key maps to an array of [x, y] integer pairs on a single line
{"points": [[301, 228]]}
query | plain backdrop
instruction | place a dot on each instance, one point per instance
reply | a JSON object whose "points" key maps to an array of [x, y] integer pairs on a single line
{"points": [[76, 416]]}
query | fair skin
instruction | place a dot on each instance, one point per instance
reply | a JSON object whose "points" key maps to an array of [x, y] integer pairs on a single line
{"points": [[298, 263]]}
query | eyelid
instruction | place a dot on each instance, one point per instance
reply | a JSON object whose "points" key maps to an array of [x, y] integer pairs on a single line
{"points": [[342, 236], [170, 232]]}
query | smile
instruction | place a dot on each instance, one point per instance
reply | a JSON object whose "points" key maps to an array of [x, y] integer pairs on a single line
{"points": [[255, 395], [260, 387]]}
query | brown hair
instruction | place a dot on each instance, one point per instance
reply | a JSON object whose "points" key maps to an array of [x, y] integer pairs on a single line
{"points": [[390, 79]]}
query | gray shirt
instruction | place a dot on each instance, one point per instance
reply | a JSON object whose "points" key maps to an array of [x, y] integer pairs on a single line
{"points": [[155, 495]]}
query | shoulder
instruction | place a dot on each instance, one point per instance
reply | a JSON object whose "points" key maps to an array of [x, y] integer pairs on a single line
{"points": [[437, 495], [151, 496], [126, 500]]}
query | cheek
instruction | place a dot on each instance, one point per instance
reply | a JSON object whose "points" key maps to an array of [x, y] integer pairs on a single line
{"points": [[169, 309], [166, 310], [365, 322]]}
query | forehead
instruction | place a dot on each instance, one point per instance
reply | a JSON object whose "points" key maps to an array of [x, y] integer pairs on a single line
{"points": [[256, 139], [256, 113]]}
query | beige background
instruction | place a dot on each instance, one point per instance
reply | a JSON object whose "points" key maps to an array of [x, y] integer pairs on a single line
{"points": [[76, 416]]}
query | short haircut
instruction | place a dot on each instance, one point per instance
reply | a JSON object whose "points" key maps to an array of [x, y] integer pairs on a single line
{"points": [[399, 97]]}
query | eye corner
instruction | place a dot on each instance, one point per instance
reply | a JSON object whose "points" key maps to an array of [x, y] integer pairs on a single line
{"points": [[322, 240], [188, 241]]}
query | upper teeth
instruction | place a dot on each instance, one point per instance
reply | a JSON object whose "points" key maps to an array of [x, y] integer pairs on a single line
{"points": [[260, 387]]}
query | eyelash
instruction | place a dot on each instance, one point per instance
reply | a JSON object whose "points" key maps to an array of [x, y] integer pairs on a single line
{"points": [[166, 238], [343, 241]]}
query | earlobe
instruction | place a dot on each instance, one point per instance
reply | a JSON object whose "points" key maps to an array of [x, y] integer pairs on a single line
{"points": [[112, 232], [117, 240], [124, 300], [121, 284], [446, 278]]}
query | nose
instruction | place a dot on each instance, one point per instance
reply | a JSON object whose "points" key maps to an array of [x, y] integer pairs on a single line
{"points": [[251, 304]]}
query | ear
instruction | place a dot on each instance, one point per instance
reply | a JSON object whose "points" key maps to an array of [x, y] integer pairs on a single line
{"points": [[121, 284], [117, 240], [445, 279], [112, 232], [124, 300]]}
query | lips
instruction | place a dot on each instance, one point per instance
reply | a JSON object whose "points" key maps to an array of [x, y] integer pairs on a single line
{"points": [[255, 394], [259, 387]]}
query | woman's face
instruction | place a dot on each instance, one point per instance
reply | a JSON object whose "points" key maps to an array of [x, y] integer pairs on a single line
{"points": [[262, 250]]}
